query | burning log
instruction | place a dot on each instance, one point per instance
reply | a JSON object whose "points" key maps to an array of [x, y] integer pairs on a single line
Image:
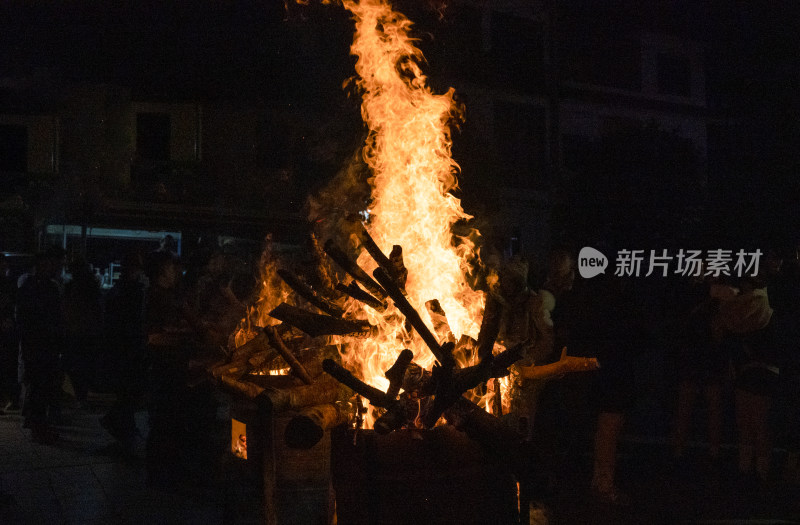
{"points": [[497, 397], [353, 269], [244, 388], [316, 324], [447, 386], [397, 373], [400, 271], [417, 379], [449, 390], [392, 265], [311, 359], [372, 248], [490, 329], [341, 374], [257, 343], [305, 291], [324, 390], [439, 318], [297, 368], [565, 365], [322, 265], [307, 428], [402, 304], [398, 412], [354, 291], [257, 350], [262, 358]]}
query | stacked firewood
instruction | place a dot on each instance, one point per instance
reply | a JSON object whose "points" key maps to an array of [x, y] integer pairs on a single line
{"points": [[257, 370], [416, 398]]}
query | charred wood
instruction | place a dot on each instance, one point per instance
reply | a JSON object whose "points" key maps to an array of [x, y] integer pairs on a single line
{"points": [[324, 390], [402, 304], [397, 373], [297, 368], [490, 329], [374, 251], [257, 349], [497, 398], [244, 388], [392, 265], [260, 359], [353, 269], [398, 266], [401, 413], [323, 269], [376, 397], [439, 318], [256, 344], [311, 358], [307, 293], [355, 291], [316, 324]]}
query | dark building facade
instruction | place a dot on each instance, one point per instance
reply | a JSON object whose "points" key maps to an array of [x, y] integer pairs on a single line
{"points": [[234, 139]]}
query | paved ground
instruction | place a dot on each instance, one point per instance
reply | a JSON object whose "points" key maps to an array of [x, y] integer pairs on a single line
{"points": [[81, 480], [662, 492]]}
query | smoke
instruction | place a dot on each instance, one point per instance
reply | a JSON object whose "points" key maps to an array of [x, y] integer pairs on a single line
{"points": [[335, 209]]}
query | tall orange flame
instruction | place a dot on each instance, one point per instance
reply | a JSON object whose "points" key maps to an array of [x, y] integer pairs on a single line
{"points": [[409, 153]]}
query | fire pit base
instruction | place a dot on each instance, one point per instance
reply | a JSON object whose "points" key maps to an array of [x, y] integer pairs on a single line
{"points": [[432, 476]]}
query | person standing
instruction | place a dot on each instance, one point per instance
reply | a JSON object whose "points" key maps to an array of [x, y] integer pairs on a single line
{"points": [[746, 320], [515, 315], [84, 327], [703, 365], [40, 315], [611, 326], [9, 345], [126, 341]]}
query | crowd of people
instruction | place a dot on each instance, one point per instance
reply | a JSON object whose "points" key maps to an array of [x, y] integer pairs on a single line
{"points": [[62, 331], [735, 340], [731, 340]]}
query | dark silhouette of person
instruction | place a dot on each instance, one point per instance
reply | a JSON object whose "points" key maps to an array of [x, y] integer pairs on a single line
{"points": [[703, 365], [9, 345], [609, 325], [127, 351], [84, 327], [40, 315]]}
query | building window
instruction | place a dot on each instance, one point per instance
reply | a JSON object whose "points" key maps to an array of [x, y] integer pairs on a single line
{"points": [[521, 138], [153, 135], [576, 152], [674, 75], [592, 56], [13, 148], [517, 48]]}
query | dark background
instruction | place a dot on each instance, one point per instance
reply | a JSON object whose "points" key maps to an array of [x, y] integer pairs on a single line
{"points": [[263, 52]]}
